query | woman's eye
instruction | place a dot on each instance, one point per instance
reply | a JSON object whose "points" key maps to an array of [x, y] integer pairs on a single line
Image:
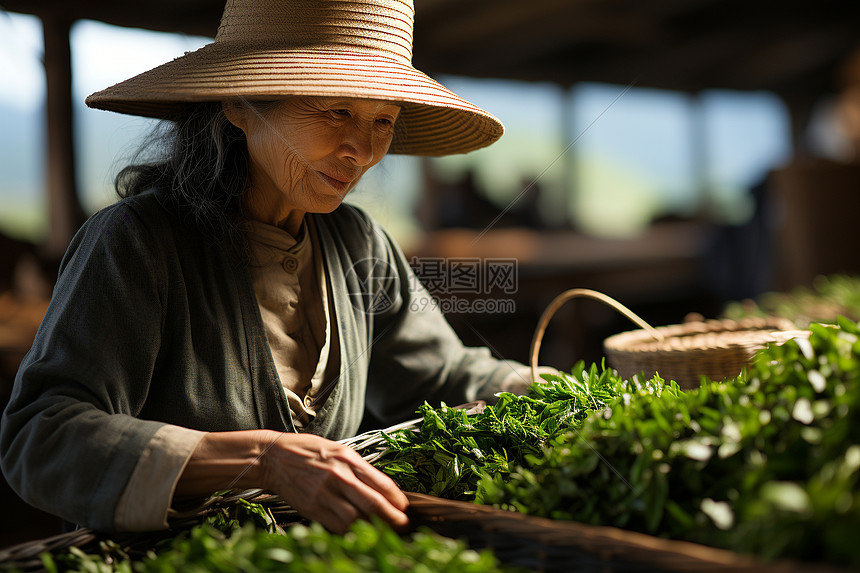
{"points": [[386, 122], [341, 112]]}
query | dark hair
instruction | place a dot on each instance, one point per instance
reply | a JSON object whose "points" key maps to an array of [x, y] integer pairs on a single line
{"points": [[199, 165]]}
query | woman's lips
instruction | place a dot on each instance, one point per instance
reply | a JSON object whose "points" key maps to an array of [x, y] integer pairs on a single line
{"points": [[339, 185]]}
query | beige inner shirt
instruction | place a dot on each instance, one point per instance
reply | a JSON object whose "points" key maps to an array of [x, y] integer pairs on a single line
{"points": [[292, 291]]}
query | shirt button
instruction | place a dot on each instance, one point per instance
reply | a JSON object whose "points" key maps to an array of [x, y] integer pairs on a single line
{"points": [[290, 264]]}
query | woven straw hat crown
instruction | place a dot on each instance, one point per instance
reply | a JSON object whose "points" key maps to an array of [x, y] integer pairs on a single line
{"points": [[267, 49], [383, 27]]}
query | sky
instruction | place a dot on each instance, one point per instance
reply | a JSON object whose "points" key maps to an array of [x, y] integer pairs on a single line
{"points": [[608, 158]]}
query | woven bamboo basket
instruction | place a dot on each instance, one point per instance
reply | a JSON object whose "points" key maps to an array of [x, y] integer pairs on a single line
{"points": [[716, 349], [532, 543], [553, 546]]}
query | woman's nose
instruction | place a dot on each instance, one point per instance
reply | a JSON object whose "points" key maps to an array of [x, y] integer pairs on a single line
{"points": [[357, 144]]}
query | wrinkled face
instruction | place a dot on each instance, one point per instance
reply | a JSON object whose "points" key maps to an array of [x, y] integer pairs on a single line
{"points": [[307, 153]]}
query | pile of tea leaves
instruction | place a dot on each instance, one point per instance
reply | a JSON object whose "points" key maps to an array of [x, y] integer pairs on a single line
{"points": [[828, 297], [766, 463], [451, 450], [247, 539]]}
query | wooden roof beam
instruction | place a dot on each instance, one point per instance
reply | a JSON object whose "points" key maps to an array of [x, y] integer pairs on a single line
{"points": [[66, 214]]}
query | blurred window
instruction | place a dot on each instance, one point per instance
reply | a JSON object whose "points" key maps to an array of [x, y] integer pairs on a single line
{"points": [[22, 139]]}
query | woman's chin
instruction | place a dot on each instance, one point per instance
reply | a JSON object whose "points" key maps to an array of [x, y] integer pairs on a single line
{"points": [[327, 204]]}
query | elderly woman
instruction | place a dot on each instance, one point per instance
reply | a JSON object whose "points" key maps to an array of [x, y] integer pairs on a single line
{"points": [[229, 318]]}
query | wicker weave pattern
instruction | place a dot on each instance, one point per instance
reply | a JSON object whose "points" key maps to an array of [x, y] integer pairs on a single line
{"points": [[684, 353], [555, 546], [717, 349]]}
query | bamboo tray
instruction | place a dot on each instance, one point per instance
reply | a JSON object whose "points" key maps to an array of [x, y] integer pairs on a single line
{"points": [[548, 545], [533, 543]]}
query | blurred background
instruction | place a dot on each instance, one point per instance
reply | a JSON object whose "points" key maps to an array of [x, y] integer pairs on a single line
{"points": [[677, 155]]}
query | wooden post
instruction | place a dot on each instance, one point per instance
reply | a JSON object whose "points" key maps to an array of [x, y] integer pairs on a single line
{"points": [[800, 105], [66, 214]]}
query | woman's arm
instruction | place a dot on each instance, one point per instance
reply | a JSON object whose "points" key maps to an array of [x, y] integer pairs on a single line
{"points": [[69, 437], [324, 480]]}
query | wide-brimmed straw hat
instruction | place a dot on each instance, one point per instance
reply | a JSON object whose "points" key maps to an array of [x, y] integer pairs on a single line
{"points": [[267, 49]]}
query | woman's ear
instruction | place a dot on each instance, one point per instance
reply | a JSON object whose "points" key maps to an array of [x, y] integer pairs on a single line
{"points": [[236, 113]]}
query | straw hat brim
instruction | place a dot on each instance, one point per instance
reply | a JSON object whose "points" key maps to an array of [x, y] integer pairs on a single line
{"points": [[433, 121]]}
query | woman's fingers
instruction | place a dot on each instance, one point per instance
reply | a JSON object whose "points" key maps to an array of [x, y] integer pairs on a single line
{"points": [[370, 501], [381, 483], [338, 515], [371, 491], [330, 483]]}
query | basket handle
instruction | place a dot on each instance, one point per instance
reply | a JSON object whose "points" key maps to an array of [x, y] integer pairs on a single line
{"points": [[580, 293]]}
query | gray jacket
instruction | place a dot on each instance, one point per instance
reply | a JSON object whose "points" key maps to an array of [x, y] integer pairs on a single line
{"points": [[152, 324]]}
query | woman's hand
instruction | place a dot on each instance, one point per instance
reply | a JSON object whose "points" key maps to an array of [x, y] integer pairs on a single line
{"points": [[330, 483], [324, 480]]}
